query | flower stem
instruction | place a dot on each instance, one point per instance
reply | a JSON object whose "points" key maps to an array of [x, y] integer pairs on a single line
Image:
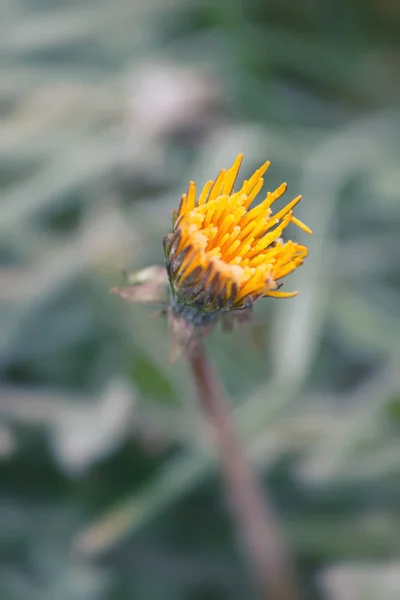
{"points": [[255, 518]]}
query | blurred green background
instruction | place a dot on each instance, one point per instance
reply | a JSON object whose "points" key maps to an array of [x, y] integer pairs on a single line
{"points": [[109, 487]]}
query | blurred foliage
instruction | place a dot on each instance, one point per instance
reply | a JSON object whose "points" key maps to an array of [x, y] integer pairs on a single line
{"points": [[109, 484]]}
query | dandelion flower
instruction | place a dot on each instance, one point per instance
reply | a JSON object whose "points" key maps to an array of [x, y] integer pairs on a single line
{"points": [[223, 254]]}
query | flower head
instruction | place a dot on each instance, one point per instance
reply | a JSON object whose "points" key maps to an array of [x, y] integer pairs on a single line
{"points": [[223, 255]]}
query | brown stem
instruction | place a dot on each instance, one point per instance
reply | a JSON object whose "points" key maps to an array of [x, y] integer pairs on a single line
{"points": [[255, 517]]}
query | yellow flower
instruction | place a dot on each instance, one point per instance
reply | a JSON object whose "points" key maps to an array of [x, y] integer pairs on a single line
{"points": [[223, 255]]}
